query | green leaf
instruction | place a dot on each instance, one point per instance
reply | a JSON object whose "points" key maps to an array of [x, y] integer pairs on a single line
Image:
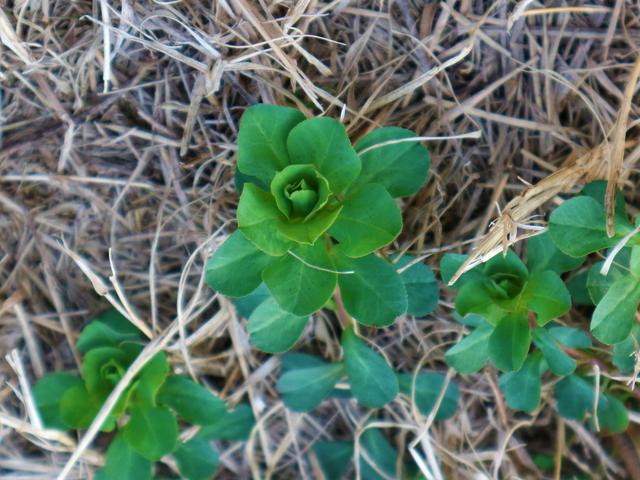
{"points": [[577, 286], [421, 286], [196, 459], [509, 265], [122, 463], [578, 227], [634, 261], [103, 367], [451, 263], [323, 142], [370, 219], [612, 414], [574, 397], [259, 220], [623, 355], [333, 457], [262, 139], [371, 378], [151, 431], [309, 230], [235, 268], [300, 191], [77, 407], [428, 386], [48, 393], [274, 330], [374, 294], [401, 168], [246, 305], [234, 426], [509, 343], [522, 388], [613, 317], [559, 362], [191, 401], [150, 378], [380, 456], [109, 329], [472, 352], [546, 294], [571, 337], [303, 283], [304, 387], [598, 284], [542, 255], [477, 296]]}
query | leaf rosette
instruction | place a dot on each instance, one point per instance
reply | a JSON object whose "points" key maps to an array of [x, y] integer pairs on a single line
{"points": [[312, 207]]}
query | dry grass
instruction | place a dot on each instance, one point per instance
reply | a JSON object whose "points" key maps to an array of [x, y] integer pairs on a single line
{"points": [[117, 142]]}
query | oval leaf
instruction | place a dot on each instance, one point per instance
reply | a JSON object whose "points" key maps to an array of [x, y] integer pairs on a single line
{"points": [[151, 431], [371, 378], [274, 330], [123, 463], [613, 317], [191, 401], [196, 459], [509, 343]]}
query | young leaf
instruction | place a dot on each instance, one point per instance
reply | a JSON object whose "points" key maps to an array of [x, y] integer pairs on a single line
{"points": [[509, 343], [478, 296], [472, 352], [542, 255], [191, 401], [578, 227], [310, 230], [123, 463], [109, 329], [450, 264], [235, 268], [196, 459], [374, 294], [401, 168], [235, 425], [259, 220], [546, 294], [303, 283], [274, 330], [323, 142], [150, 378], [334, 458], [262, 139], [48, 393], [613, 317], [522, 388], [508, 265], [151, 431], [77, 407], [421, 286], [371, 378], [103, 367], [428, 386], [304, 387], [559, 362], [369, 220]]}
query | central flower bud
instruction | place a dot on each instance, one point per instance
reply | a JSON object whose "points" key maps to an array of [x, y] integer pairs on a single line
{"points": [[300, 191]]}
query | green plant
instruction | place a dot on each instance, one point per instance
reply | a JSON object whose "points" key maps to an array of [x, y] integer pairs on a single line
{"points": [[313, 210], [578, 227], [510, 305], [146, 416]]}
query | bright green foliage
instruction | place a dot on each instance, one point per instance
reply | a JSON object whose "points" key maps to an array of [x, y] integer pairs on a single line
{"points": [[575, 399], [512, 298], [578, 227], [233, 425], [312, 212], [334, 458], [151, 404], [559, 362], [371, 378], [307, 380], [425, 391]]}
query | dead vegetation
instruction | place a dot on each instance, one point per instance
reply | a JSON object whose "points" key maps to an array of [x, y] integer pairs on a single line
{"points": [[117, 140]]}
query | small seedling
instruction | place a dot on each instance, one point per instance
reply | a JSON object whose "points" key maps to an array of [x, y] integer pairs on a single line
{"points": [[511, 304], [313, 211], [146, 416]]}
